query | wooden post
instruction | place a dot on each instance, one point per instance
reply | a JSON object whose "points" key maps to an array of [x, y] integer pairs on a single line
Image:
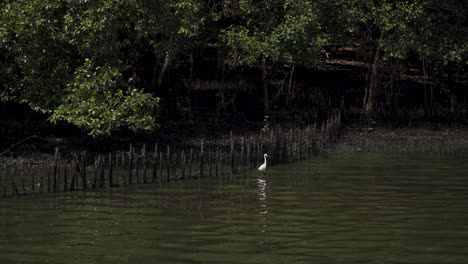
{"points": [[257, 152], [137, 168], [48, 178], [231, 153], [248, 156], [14, 187], [65, 178], [174, 166], [155, 166], [130, 165], [31, 169], [143, 156], [4, 179], [201, 159], [56, 157], [122, 160], [23, 189], [168, 164], [182, 161], [96, 170], [111, 181], [217, 161], [241, 160], [59, 167], [84, 173], [102, 171], [190, 163], [160, 166], [209, 163], [74, 171]]}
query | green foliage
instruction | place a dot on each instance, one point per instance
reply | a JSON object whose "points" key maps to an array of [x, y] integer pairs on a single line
{"points": [[443, 33], [36, 61], [43, 45], [98, 100], [72, 59], [275, 32]]}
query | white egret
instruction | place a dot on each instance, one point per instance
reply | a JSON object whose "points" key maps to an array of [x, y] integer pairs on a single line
{"points": [[264, 165]]}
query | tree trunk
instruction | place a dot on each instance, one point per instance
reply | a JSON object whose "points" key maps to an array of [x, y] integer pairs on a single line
{"points": [[266, 104], [167, 61], [290, 85], [370, 99], [189, 95]]}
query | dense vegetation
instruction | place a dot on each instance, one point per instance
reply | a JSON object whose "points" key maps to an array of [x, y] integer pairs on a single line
{"points": [[104, 65]]}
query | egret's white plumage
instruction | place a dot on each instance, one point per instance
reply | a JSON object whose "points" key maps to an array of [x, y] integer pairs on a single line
{"points": [[264, 165]]}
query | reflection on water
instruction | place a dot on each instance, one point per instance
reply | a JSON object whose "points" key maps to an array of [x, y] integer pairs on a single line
{"points": [[356, 208], [262, 197]]}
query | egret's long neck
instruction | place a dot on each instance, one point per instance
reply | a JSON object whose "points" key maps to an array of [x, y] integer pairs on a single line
{"points": [[264, 158]]}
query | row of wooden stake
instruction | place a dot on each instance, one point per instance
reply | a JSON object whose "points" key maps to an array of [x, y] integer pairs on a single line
{"points": [[232, 154]]}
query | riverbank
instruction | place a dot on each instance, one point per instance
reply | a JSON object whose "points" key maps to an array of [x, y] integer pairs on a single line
{"points": [[348, 138], [402, 139]]}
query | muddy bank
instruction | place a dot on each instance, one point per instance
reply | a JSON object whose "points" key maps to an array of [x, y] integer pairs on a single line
{"points": [[408, 139]]}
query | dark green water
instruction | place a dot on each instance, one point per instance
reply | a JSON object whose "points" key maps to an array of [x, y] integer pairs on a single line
{"points": [[352, 208]]}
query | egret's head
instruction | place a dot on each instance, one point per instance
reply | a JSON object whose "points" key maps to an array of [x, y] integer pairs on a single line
{"points": [[266, 155]]}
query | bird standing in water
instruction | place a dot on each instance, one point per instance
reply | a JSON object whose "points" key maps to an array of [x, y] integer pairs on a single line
{"points": [[264, 165]]}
